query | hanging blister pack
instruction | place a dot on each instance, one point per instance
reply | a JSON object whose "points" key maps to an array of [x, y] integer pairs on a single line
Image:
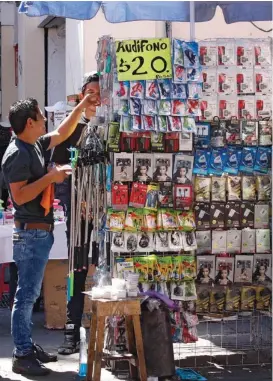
{"points": [[233, 160], [122, 107], [263, 82], [226, 80], [263, 160], [234, 188], [264, 187], [125, 124], [245, 82], [202, 135], [208, 108], [247, 215], [203, 239], [121, 89], [202, 188], [248, 241], [185, 141], [218, 189], [246, 107], [195, 90], [164, 107], [263, 238], [218, 133], [202, 216], [194, 75], [249, 132], [217, 160], [179, 91], [219, 242], [201, 162], [226, 55], [179, 74], [209, 81], [190, 52], [137, 89], [162, 123], [136, 123], [208, 53], [234, 238], [248, 188], [149, 123], [135, 106], [261, 220], [265, 132], [149, 107], [263, 106], [178, 107], [174, 123], [244, 53], [233, 132], [178, 57], [227, 107], [152, 90], [248, 159], [262, 53], [165, 88]]}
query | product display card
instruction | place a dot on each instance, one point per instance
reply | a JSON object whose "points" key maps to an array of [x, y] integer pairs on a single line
{"points": [[263, 238], [143, 167], [162, 166], [205, 269], [234, 241], [224, 271], [219, 242], [243, 269], [203, 239], [248, 241], [182, 170], [123, 167], [261, 219], [262, 269], [247, 214]]}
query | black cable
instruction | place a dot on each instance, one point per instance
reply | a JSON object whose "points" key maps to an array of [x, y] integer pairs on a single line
{"points": [[261, 29]]}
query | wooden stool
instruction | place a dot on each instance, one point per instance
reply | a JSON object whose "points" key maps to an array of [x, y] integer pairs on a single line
{"points": [[131, 310]]}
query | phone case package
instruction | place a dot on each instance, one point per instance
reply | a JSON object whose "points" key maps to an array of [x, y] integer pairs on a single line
{"points": [[205, 270], [224, 271], [243, 269]]}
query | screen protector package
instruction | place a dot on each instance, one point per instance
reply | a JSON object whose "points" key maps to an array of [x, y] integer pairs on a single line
{"points": [[201, 162], [217, 160], [263, 160], [233, 159], [190, 50], [202, 135], [261, 216], [248, 241], [218, 189], [248, 159]]}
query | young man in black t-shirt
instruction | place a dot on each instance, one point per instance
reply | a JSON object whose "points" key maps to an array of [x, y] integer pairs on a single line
{"points": [[28, 182], [61, 155]]}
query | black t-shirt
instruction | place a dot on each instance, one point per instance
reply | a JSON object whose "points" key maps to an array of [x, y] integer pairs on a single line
{"points": [[61, 154], [26, 162]]}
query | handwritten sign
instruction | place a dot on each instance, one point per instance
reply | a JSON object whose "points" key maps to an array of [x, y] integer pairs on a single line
{"points": [[143, 59]]}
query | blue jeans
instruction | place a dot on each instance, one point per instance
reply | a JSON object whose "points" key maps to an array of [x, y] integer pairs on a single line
{"points": [[31, 250]]}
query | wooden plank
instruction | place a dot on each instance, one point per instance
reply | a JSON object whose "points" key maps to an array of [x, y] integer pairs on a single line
{"points": [[118, 308], [139, 348], [99, 348], [91, 347]]}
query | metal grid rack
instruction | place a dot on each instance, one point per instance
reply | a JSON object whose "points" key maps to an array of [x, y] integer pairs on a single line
{"points": [[243, 339]]}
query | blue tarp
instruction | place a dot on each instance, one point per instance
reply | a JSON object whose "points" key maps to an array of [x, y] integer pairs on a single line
{"points": [[124, 11]]}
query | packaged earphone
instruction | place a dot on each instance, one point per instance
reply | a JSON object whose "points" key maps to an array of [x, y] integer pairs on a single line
{"points": [[151, 90], [164, 107], [202, 188], [178, 57], [218, 189], [183, 196], [194, 75], [248, 188], [135, 106], [189, 241], [165, 88], [202, 135], [234, 188], [179, 91], [179, 74], [149, 107], [137, 89], [190, 52], [233, 132]]}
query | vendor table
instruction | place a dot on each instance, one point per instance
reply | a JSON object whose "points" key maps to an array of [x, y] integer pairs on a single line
{"points": [[58, 251]]}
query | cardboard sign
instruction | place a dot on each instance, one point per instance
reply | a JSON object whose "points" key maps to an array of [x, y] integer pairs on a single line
{"points": [[143, 59], [59, 117]]}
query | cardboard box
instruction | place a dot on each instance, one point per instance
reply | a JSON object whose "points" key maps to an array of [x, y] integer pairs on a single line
{"points": [[55, 285]]}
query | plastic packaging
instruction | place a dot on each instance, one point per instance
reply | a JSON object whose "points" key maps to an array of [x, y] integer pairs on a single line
{"points": [[208, 53], [83, 353], [226, 53], [209, 81], [226, 79]]}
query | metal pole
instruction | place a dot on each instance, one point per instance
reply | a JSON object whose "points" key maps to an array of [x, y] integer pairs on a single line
{"points": [[192, 21]]}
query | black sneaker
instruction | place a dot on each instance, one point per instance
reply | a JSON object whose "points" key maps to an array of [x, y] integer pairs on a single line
{"points": [[29, 365], [42, 355], [71, 342]]}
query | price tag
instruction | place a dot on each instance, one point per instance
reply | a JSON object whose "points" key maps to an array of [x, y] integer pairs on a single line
{"points": [[144, 59]]}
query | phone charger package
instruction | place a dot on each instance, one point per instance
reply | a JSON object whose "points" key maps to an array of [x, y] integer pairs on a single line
{"points": [[202, 216], [232, 216], [247, 214], [248, 241], [261, 220], [217, 215]]}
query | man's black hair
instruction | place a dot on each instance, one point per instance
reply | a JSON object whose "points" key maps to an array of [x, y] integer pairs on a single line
{"points": [[20, 112], [93, 77]]}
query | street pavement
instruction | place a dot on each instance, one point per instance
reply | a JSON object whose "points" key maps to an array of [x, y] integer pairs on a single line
{"points": [[66, 368]]}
